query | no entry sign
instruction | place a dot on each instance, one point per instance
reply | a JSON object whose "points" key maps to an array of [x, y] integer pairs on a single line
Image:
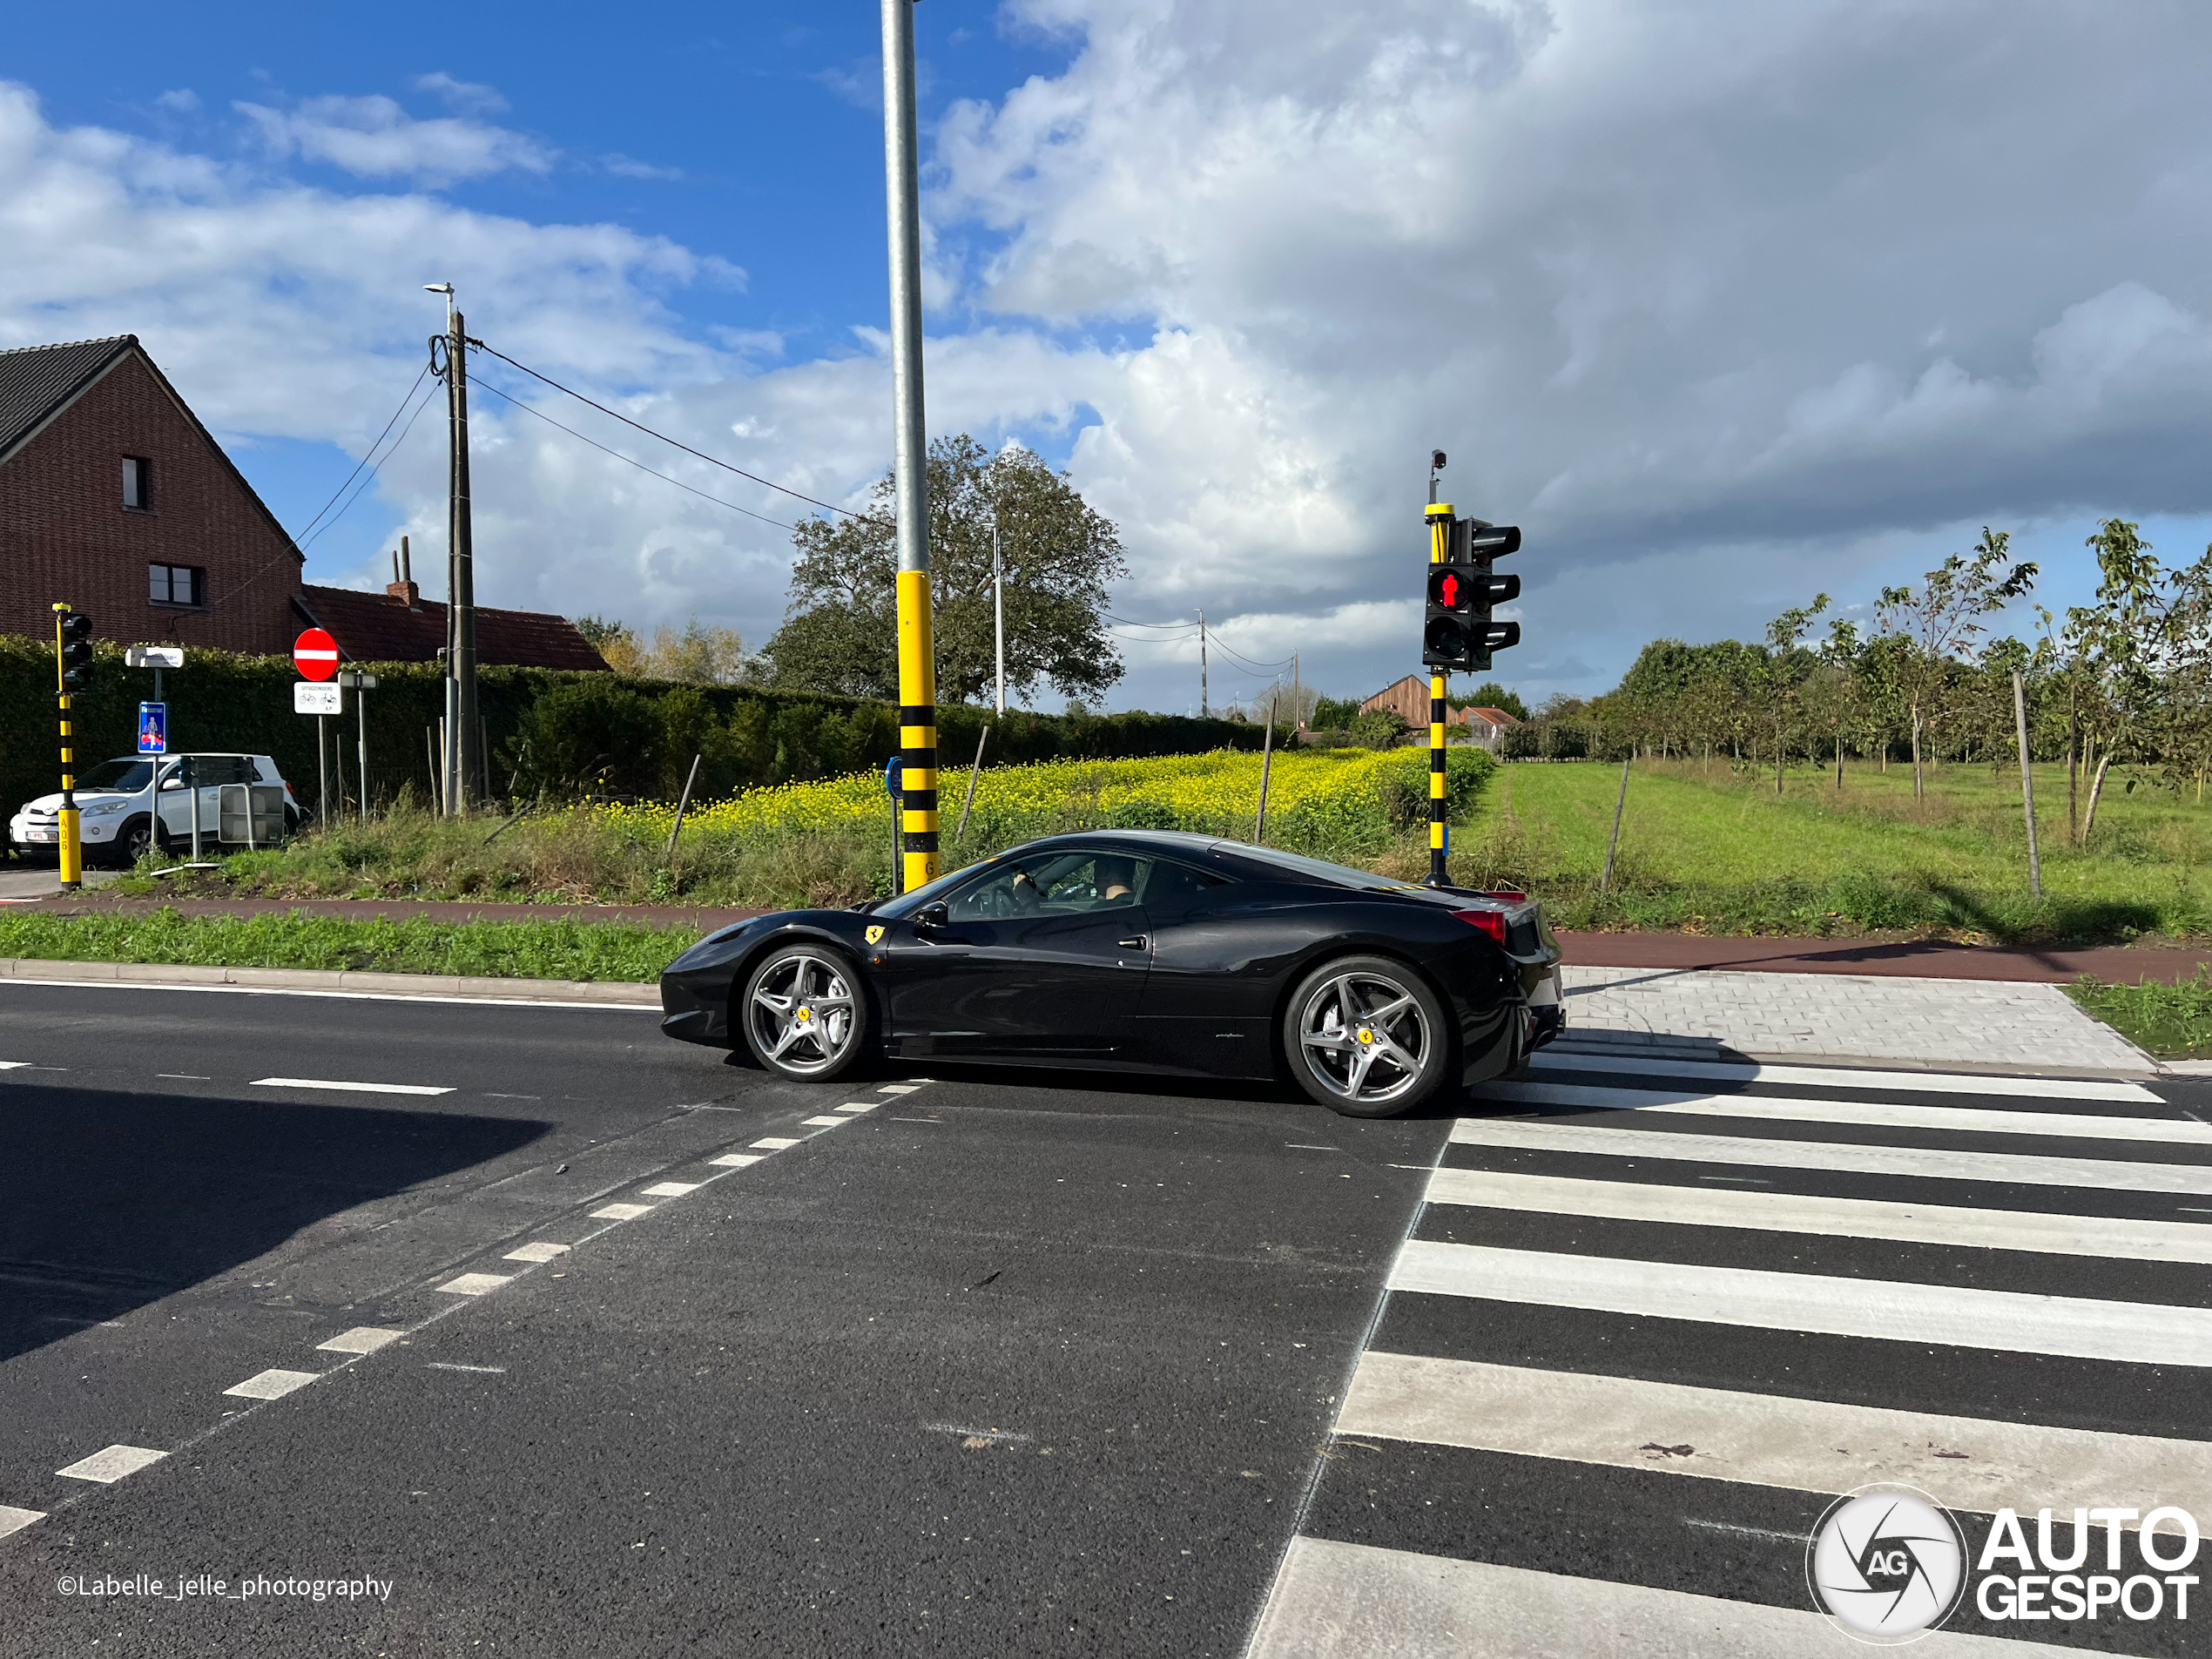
{"points": [[315, 655]]}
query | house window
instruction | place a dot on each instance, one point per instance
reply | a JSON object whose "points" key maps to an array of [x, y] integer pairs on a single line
{"points": [[137, 484], [176, 584]]}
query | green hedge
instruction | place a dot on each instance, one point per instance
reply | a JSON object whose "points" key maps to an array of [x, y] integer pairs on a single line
{"points": [[558, 730]]}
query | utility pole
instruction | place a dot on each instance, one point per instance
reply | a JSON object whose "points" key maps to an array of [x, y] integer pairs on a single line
{"points": [[1297, 700], [998, 625], [910, 457], [458, 786], [1202, 666], [1440, 833]]}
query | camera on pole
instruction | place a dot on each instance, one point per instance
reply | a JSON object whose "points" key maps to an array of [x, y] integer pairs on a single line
{"points": [[1459, 634]]}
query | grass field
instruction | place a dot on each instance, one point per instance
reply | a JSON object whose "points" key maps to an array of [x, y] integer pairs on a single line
{"points": [[555, 949], [1704, 850], [2173, 1022]]}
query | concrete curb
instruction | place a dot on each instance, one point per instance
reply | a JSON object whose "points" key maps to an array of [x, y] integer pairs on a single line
{"points": [[1707, 1048], [328, 981]]}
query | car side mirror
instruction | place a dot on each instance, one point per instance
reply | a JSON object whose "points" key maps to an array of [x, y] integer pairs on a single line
{"points": [[931, 917], [172, 783]]}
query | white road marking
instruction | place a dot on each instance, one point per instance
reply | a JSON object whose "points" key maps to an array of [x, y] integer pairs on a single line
{"points": [[13, 1519], [183, 1077], [622, 1212], [777, 1142], [350, 1088], [1747, 1531], [1790, 1212], [1789, 1108], [825, 1121], [671, 1189], [474, 1284], [362, 1339], [734, 1160], [344, 996], [553, 1252], [857, 1106], [2033, 1169], [17, 1065], [2011, 1321], [898, 1088], [482, 1370], [272, 1385], [1762, 1439], [111, 1465], [1334, 1600], [1938, 1082]]}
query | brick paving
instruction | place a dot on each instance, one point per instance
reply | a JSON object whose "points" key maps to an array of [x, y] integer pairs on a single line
{"points": [[1961, 1024]]}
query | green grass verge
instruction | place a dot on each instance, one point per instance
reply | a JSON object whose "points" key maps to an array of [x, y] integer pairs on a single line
{"points": [[562, 949], [2173, 1022]]}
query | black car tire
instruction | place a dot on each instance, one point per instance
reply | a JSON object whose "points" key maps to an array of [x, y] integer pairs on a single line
{"points": [[1366, 1036], [132, 842], [781, 1012]]}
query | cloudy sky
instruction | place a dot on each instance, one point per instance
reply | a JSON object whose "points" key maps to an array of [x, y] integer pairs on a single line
{"points": [[1723, 303]]}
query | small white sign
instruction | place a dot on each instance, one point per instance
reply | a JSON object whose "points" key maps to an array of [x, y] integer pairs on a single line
{"points": [[153, 656], [317, 696]]}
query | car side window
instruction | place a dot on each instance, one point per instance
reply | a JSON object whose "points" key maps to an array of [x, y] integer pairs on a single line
{"points": [[1171, 882], [1062, 884]]}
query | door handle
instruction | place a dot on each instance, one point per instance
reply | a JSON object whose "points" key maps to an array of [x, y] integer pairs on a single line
{"points": [[1136, 943]]}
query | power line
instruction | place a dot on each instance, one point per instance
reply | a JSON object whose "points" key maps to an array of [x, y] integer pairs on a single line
{"points": [[769, 484], [373, 471], [371, 450], [640, 465]]}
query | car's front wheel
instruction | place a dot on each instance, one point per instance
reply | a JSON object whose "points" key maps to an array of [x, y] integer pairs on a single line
{"points": [[805, 1013], [132, 842], [1367, 1037]]}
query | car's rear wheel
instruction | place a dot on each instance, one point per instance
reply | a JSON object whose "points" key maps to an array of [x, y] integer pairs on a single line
{"points": [[1367, 1037], [805, 1013]]}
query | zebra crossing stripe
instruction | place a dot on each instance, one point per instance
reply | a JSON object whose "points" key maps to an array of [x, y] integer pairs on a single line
{"points": [[1788, 1212], [2011, 1321], [1940, 1083], [1763, 1440], [2031, 1168], [1864, 1114], [1334, 1600]]}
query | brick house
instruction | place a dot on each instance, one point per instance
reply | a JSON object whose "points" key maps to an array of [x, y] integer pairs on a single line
{"points": [[1408, 699], [114, 498]]}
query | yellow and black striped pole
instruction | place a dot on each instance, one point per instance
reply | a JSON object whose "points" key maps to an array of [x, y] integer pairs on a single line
{"points": [[1440, 846], [917, 735], [72, 849]]}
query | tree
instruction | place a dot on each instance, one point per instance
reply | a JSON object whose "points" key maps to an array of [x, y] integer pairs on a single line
{"points": [[1783, 674], [1941, 623], [839, 633], [2127, 643], [701, 654], [1491, 695]]}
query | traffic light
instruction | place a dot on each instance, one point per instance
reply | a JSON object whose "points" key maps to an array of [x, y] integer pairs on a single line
{"points": [[1459, 634], [76, 632]]}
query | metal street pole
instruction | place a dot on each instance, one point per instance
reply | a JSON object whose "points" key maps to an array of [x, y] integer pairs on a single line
{"points": [[1440, 843], [998, 608], [68, 850], [1202, 708], [910, 457]]}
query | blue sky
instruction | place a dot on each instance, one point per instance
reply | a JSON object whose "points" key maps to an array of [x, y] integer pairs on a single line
{"points": [[1725, 303]]}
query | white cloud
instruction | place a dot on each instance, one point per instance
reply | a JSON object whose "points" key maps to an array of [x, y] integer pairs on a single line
{"points": [[470, 97], [183, 101], [374, 137]]}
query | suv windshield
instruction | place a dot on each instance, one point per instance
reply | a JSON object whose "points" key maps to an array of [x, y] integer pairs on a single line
{"points": [[126, 775]]}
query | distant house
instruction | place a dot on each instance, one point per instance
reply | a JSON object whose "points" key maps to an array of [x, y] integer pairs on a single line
{"points": [[116, 499], [1408, 699]]}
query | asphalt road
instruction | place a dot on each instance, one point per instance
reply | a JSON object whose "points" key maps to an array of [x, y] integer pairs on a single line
{"points": [[997, 1364], [979, 1363]]}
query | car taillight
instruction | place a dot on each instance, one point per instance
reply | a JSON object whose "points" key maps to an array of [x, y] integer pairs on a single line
{"points": [[1490, 922]]}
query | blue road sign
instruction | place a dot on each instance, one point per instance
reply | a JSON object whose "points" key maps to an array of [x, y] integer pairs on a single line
{"points": [[154, 728], [891, 777]]}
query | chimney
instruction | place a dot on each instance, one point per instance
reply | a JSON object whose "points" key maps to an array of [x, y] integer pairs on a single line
{"points": [[401, 587]]}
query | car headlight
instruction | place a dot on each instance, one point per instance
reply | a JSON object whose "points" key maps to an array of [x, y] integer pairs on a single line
{"points": [[103, 808]]}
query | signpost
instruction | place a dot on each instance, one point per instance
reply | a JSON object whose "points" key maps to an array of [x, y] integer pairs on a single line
{"points": [[891, 773], [354, 680], [315, 655]]}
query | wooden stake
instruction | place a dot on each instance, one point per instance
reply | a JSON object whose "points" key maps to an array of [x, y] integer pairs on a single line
{"points": [[1605, 882], [2028, 788]]}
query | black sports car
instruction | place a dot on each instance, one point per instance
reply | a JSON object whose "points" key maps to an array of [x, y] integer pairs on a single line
{"points": [[1145, 951]]}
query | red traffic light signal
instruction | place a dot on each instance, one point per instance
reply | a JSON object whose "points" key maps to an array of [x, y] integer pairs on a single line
{"points": [[1459, 634]]}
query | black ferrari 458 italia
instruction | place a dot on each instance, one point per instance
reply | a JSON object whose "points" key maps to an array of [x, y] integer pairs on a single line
{"points": [[1140, 950]]}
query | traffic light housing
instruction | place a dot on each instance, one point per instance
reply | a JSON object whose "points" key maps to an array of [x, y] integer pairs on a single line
{"points": [[1459, 635], [76, 635]]}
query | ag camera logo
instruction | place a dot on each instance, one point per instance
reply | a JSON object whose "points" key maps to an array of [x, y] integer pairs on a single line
{"points": [[1887, 1563]]}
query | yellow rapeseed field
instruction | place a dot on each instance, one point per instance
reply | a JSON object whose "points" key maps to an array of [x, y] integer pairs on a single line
{"points": [[1343, 800]]}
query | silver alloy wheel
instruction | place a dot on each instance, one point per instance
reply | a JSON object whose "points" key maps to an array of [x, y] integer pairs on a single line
{"points": [[803, 1014], [1366, 1037]]}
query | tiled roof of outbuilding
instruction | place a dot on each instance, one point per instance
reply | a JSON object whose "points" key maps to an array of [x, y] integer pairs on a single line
{"points": [[378, 628]]}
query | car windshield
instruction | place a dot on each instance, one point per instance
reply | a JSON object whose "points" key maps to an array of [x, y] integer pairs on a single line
{"points": [[126, 775]]}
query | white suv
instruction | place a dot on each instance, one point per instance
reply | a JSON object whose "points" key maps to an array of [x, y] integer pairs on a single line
{"points": [[116, 811]]}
